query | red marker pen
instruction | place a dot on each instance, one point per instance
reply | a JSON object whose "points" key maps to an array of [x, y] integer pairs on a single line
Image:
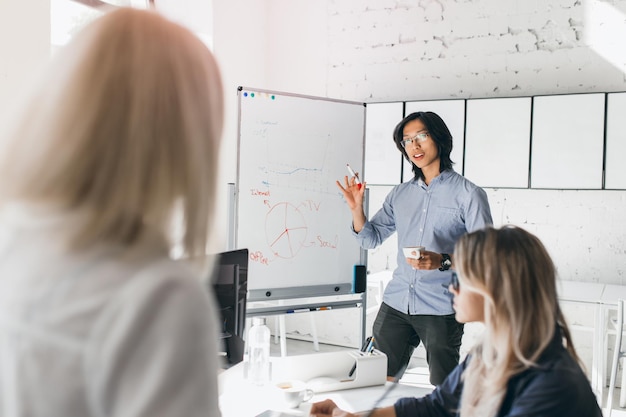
{"points": [[356, 177]]}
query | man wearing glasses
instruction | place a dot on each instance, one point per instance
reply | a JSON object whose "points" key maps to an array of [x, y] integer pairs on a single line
{"points": [[432, 210]]}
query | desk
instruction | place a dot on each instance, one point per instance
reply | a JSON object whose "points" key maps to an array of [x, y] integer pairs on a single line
{"points": [[582, 292], [238, 398], [589, 293], [603, 297]]}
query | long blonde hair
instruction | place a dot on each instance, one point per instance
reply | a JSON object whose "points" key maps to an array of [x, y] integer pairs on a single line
{"points": [[517, 277], [125, 127]]}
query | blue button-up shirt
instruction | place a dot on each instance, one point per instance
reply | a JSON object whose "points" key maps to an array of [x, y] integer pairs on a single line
{"points": [[433, 216]]}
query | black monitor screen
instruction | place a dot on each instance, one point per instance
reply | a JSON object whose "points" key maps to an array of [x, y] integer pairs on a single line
{"points": [[230, 283]]}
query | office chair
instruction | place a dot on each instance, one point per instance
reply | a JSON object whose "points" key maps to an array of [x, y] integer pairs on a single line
{"points": [[377, 282], [281, 335], [618, 324]]}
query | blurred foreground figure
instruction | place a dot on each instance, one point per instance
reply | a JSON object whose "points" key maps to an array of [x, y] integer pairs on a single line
{"points": [[120, 139]]}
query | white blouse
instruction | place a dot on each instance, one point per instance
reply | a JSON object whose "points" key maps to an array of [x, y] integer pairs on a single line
{"points": [[105, 331]]}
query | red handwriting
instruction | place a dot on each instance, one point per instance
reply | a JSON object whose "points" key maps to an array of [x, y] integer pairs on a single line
{"points": [[254, 191], [258, 257], [326, 244], [312, 205]]}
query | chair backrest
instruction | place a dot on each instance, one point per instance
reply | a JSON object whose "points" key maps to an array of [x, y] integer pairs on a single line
{"points": [[230, 284], [618, 323]]}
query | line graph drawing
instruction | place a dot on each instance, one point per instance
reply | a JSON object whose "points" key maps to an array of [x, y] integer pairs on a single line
{"points": [[311, 172]]}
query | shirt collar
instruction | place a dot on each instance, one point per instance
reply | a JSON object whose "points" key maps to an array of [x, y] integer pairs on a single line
{"points": [[439, 178]]}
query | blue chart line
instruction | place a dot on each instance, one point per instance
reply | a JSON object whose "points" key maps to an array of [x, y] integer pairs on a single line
{"points": [[296, 170], [304, 163], [297, 178]]}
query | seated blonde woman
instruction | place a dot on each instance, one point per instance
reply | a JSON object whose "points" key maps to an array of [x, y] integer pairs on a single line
{"points": [[119, 138], [525, 364]]}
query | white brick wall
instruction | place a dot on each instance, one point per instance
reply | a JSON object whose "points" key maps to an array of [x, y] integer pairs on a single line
{"points": [[475, 48]]}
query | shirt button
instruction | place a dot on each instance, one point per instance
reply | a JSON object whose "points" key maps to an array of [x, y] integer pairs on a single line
{"points": [[424, 210]]}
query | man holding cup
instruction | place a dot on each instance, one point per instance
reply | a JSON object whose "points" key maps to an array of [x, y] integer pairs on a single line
{"points": [[432, 210]]}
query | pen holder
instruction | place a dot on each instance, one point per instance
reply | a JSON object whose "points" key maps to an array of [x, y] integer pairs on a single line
{"points": [[330, 371], [369, 365]]}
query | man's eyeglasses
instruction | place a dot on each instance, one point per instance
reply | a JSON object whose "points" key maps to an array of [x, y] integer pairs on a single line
{"points": [[418, 138], [454, 282]]}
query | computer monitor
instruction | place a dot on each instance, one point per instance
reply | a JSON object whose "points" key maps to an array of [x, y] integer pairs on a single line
{"points": [[230, 284]]}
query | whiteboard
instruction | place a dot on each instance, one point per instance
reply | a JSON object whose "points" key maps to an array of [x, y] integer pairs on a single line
{"points": [[383, 161], [290, 214], [615, 176], [453, 114], [497, 142], [567, 141]]}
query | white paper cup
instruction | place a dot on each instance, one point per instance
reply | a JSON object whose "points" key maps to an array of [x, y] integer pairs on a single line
{"points": [[413, 251], [293, 392]]}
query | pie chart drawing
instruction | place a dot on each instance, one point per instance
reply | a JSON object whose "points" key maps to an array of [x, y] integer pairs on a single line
{"points": [[285, 230]]}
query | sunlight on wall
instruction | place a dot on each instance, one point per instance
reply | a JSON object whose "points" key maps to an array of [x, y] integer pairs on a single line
{"points": [[197, 15], [67, 18], [605, 31]]}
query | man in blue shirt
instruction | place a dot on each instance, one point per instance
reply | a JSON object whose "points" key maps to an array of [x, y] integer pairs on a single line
{"points": [[432, 210]]}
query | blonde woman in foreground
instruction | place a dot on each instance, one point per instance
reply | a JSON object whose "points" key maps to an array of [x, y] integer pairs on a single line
{"points": [[525, 364], [95, 319]]}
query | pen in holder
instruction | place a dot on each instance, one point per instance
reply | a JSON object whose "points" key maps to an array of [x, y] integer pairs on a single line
{"points": [[367, 347]]}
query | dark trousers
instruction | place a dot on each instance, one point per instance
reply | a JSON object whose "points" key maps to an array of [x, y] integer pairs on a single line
{"points": [[398, 334]]}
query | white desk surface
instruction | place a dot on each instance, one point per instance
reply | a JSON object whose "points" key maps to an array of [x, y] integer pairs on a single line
{"points": [[604, 298], [612, 293], [238, 398], [590, 292]]}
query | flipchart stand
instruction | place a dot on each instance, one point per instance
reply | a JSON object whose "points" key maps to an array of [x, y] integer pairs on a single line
{"points": [[281, 300]]}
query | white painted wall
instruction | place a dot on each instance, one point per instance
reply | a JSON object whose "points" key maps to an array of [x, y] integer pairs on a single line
{"points": [[275, 45], [24, 46], [197, 15], [240, 51]]}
